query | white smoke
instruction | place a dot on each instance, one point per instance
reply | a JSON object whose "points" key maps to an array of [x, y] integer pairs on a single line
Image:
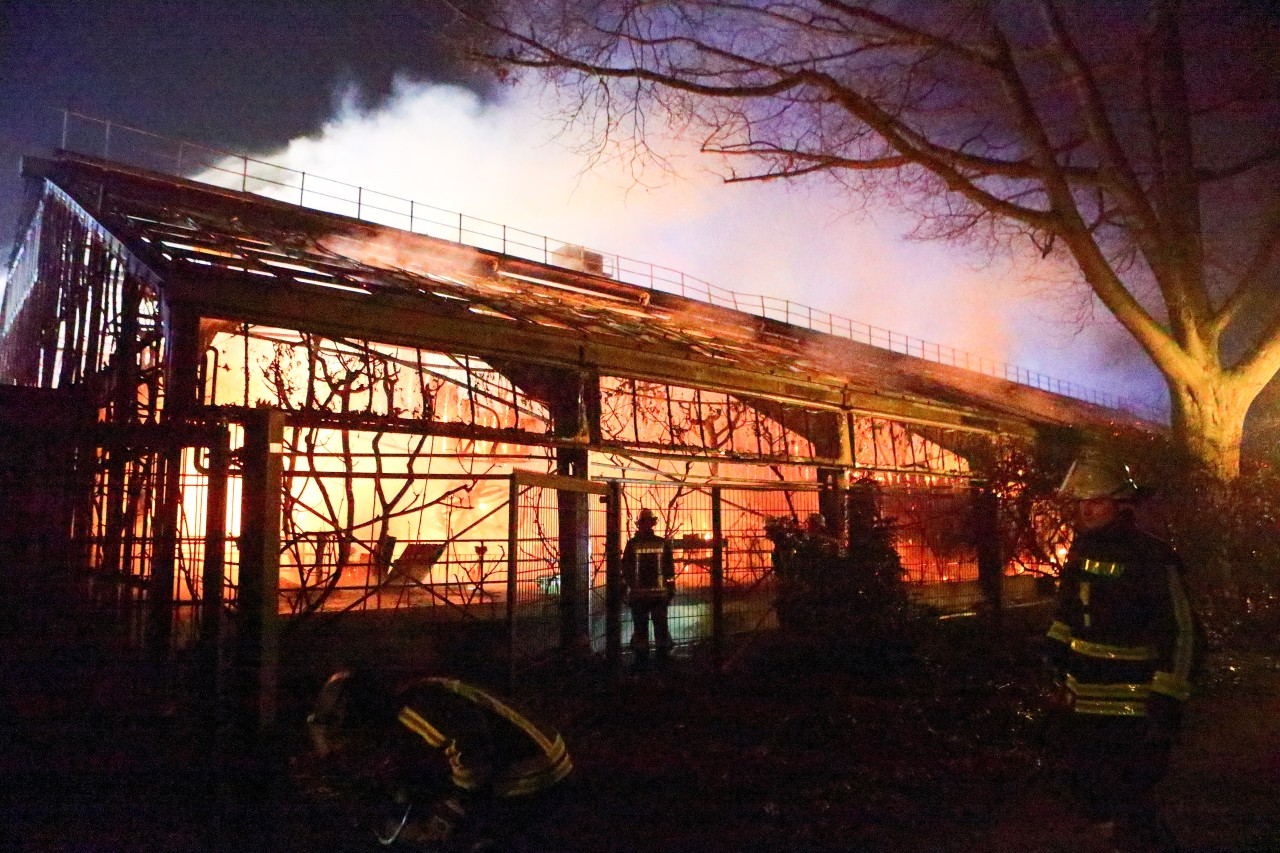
{"points": [[505, 162]]}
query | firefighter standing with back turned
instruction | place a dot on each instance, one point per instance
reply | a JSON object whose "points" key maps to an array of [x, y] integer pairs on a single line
{"points": [[649, 583], [1122, 643]]}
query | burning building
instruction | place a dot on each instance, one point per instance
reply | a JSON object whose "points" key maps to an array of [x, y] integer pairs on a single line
{"points": [[291, 398]]}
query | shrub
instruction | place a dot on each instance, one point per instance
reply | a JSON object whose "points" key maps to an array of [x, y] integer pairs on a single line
{"points": [[850, 596], [1228, 535]]}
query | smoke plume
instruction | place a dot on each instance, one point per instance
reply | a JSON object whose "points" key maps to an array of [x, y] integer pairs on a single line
{"points": [[507, 163]]}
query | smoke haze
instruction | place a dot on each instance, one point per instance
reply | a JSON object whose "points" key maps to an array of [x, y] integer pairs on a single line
{"points": [[504, 162]]}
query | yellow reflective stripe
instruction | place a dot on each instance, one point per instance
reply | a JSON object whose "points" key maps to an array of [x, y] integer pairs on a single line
{"points": [[1183, 644], [1110, 709], [481, 698], [1060, 631], [1109, 652], [1108, 691], [533, 774], [1102, 568], [415, 723], [1171, 685], [538, 774]]}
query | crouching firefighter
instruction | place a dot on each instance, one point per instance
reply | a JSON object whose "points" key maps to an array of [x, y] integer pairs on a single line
{"points": [[1123, 643], [438, 763]]}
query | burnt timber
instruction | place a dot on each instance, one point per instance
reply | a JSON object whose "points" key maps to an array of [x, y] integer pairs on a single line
{"points": [[238, 258]]}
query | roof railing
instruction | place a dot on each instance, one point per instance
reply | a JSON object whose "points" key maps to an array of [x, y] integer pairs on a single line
{"points": [[132, 146]]}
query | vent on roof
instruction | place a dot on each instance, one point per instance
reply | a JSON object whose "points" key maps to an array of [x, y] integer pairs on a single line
{"points": [[578, 258]]}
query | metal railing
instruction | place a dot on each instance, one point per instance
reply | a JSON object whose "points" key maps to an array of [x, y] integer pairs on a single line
{"points": [[93, 136]]}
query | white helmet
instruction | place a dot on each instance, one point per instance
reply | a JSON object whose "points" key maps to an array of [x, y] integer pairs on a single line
{"points": [[1095, 476]]}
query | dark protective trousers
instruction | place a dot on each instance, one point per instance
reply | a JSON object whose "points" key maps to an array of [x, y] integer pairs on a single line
{"points": [[1112, 766], [642, 613]]}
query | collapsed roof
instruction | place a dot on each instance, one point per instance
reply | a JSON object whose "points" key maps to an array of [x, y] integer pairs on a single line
{"points": [[242, 258]]}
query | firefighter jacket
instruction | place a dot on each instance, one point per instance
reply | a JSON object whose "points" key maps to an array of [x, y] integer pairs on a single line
{"points": [[488, 745], [648, 568], [1123, 630]]}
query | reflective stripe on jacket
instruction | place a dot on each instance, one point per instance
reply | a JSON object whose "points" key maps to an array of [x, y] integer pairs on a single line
{"points": [[486, 742], [1124, 620], [647, 563]]}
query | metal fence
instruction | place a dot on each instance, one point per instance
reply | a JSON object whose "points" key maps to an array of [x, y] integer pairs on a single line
{"points": [[161, 544], [930, 526]]}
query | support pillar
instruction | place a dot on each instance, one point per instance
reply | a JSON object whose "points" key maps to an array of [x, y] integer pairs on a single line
{"points": [[213, 574], [182, 342], [575, 550], [613, 576], [986, 535], [831, 440], [574, 404], [717, 577], [258, 628], [573, 398]]}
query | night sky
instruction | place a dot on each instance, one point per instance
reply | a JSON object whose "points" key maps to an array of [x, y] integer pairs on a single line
{"points": [[244, 75], [249, 76]]}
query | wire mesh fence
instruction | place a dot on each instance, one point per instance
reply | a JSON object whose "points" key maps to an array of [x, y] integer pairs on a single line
{"points": [[523, 554]]}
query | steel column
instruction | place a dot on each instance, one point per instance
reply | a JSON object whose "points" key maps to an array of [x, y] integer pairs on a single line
{"points": [[613, 576], [257, 646]]}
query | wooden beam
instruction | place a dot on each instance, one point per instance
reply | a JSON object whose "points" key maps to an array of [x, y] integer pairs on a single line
{"points": [[401, 320]]}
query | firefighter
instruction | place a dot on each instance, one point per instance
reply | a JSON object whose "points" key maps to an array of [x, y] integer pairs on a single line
{"points": [[818, 543], [1122, 643], [649, 584], [436, 761]]}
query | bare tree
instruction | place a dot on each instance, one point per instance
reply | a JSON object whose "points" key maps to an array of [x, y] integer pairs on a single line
{"points": [[1139, 142]]}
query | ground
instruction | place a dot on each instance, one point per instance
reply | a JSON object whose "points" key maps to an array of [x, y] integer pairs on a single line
{"points": [[778, 747]]}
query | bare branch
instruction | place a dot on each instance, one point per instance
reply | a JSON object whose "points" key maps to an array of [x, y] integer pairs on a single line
{"points": [[1235, 170], [911, 35], [1115, 163], [1253, 287], [1075, 131]]}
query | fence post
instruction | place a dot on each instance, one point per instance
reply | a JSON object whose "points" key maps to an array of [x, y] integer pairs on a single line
{"points": [[613, 577], [717, 579], [573, 511], [513, 564], [214, 571], [159, 625], [257, 646]]}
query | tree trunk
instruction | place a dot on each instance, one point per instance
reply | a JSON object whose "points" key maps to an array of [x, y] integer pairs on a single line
{"points": [[1208, 421]]}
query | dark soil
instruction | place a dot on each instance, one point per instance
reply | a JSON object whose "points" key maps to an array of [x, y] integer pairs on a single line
{"points": [[786, 746]]}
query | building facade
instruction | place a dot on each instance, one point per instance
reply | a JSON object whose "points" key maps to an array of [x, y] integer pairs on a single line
{"points": [[297, 412]]}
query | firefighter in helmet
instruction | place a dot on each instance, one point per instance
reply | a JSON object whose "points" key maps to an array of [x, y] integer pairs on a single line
{"points": [[818, 543], [1122, 642], [649, 584], [436, 764]]}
